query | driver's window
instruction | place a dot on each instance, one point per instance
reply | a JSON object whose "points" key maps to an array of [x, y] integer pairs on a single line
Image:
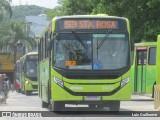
{"points": [[24, 67]]}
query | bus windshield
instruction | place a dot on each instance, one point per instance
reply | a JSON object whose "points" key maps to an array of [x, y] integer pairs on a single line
{"points": [[31, 68], [70, 53]]}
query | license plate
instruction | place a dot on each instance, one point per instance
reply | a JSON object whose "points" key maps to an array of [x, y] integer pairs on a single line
{"points": [[92, 98]]}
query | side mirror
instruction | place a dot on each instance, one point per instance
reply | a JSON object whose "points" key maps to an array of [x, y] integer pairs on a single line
{"points": [[24, 67], [49, 44], [132, 52], [132, 45]]}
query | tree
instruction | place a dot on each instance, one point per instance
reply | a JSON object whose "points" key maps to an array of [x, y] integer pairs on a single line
{"points": [[13, 33], [143, 14], [4, 6], [51, 13], [76, 7], [19, 12], [70, 7]]}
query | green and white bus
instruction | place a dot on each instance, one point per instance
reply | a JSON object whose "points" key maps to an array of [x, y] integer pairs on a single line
{"points": [[144, 67], [85, 59], [28, 73]]}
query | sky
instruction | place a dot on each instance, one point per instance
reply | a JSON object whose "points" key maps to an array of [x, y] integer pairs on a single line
{"points": [[42, 3]]}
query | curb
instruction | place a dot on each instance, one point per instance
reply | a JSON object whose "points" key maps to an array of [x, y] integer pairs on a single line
{"points": [[142, 99]]}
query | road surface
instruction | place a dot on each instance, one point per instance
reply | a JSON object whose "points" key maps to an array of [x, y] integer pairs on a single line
{"points": [[24, 104]]}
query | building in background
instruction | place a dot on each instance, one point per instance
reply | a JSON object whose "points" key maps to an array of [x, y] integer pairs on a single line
{"points": [[36, 25]]}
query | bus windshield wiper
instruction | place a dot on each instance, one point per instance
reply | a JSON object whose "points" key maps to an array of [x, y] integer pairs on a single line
{"points": [[79, 39], [55, 36], [106, 36]]}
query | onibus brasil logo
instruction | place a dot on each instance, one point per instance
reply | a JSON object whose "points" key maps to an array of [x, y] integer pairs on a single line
{"points": [[21, 114]]}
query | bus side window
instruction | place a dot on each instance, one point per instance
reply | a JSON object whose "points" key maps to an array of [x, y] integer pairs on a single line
{"points": [[39, 51], [152, 56], [24, 67], [44, 47], [142, 56]]}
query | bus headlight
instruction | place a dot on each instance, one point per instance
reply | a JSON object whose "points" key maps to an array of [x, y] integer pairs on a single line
{"points": [[27, 82], [124, 82], [58, 81]]}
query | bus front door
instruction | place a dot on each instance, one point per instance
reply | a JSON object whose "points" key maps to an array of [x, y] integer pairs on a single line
{"points": [[140, 71]]}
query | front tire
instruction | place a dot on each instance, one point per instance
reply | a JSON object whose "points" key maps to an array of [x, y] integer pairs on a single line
{"points": [[57, 106], [22, 92], [92, 107], [153, 90], [44, 104], [114, 106], [19, 90], [27, 92]]}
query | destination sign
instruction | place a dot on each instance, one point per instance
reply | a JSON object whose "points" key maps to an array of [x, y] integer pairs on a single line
{"points": [[141, 48], [89, 24]]}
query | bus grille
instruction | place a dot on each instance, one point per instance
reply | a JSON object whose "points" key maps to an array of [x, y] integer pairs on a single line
{"points": [[35, 86], [92, 76], [32, 78]]}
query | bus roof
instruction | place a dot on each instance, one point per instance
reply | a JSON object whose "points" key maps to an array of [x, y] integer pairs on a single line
{"points": [[79, 16], [88, 16], [145, 44], [30, 53]]}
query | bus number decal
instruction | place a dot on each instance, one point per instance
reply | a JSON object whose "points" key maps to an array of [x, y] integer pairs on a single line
{"points": [[70, 63]]}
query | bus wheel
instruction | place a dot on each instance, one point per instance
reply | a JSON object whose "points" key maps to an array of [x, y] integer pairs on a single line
{"points": [[92, 107], [152, 93], [44, 104], [153, 90], [57, 106], [22, 91], [27, 92], [114, 106], [100, 107], [19, 90]]}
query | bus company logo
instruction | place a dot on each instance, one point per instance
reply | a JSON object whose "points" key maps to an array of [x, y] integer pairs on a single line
{"points": [[76, 87], [20, 114]]}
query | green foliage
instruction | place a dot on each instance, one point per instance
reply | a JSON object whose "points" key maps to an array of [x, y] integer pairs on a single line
{"points": [[143, 15], [74, 7], [26, 10], [70, 7], [51, 13], [13, 32], [4, 8]]}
